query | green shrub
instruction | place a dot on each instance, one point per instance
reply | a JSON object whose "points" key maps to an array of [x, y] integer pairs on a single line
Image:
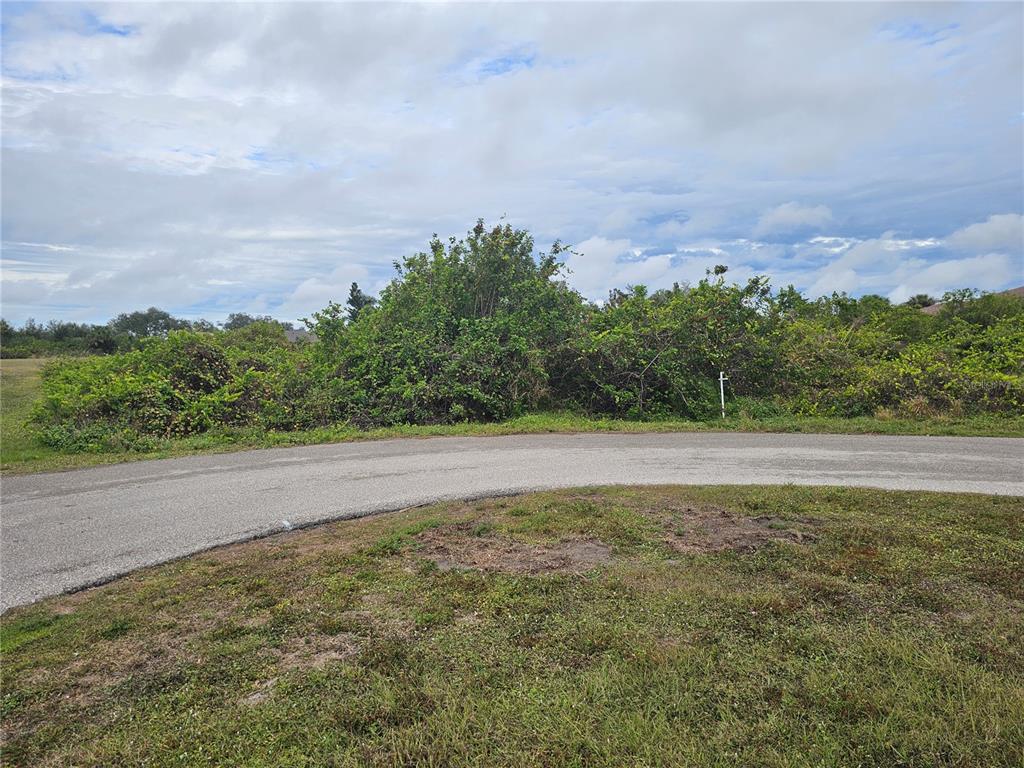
{"points": [[755, 408], [465, 331], [647, 356], [180, 385], [482, 330]]}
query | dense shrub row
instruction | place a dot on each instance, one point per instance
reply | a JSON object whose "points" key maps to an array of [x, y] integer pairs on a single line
{"points": [[481, 329]]}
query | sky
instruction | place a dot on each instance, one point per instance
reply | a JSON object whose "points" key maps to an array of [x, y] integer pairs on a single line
{"points": [[218, 158]]}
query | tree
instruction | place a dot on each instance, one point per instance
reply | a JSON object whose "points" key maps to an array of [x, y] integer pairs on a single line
{"points": [[920, 301], [238, 320], [357, 302], [467, 330], [982, 310], [102, 340], [33, 329], [955, 300], [151, 322], [791, 301], [60, 330]]}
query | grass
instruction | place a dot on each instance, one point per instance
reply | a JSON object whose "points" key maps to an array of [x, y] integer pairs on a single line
{"points": [[797, 627], [22, 452], [19, 387]]}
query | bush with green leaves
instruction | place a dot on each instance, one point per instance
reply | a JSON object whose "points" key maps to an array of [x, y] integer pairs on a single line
{"points": [[180, 385], [481, 329], [467, 330], [963, 368], [642, 356]]}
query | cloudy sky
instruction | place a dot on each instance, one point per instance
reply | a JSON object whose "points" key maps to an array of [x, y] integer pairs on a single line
{"points": [[217, 158]]}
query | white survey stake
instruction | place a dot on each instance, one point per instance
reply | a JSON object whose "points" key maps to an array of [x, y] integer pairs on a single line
{"points": [[722, 378]]}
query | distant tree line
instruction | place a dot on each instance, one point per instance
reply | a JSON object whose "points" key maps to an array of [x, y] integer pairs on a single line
{"points": [[58, 337], [482, 329]]}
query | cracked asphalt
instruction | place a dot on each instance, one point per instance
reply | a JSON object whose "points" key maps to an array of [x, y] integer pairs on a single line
{"points": [[64, 531]]}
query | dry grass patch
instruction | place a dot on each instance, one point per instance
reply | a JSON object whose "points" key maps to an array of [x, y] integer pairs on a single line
{"points": [[466, 546], [694, 530]]}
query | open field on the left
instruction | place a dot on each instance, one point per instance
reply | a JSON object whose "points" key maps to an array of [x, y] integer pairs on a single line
{"points": [[600, 627], [19, 387]]}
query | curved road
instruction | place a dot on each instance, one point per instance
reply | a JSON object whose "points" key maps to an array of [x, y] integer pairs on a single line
{"points": [[63, 531]]}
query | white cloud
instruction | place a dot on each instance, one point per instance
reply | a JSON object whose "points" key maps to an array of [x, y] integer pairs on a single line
{"points": [[315, 293], [792, 217], [598, 264], [987, 272], [832, 244], [1001, 232], [594, 263], [208, 162], [902, 267]]}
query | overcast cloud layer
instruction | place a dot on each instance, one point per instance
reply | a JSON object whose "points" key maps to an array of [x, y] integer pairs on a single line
{"points": [[217, 158]]}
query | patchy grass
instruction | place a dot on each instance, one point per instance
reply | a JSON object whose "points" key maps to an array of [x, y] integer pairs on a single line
{"points": [[656, 626], [19, 387], [22, 452]]}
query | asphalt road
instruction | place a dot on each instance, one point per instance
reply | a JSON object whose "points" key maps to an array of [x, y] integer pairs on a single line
{"points": [[63, 531]]}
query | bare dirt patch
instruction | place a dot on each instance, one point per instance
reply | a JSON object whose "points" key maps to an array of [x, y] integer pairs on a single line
{"points": [[454, 547], [314, 651], [305, 652], [712, 529], [264, 690]]}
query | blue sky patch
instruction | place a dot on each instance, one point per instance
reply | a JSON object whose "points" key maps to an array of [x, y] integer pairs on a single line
{"points": [[94, 25], [510, 62]]}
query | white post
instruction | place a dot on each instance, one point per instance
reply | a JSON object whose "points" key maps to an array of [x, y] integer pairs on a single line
{"points": [[722, 378]]}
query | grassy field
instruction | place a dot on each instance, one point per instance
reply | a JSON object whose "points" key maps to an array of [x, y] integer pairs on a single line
{"points": [[19, 387], [21, 451], [596, 627]]}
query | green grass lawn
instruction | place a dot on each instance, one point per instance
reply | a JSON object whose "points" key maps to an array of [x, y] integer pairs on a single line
{"points": [[21, 451], [597, 627]]}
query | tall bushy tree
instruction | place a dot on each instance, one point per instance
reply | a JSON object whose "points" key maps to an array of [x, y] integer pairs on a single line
{"points": [[357, 302], [145, 323], [920, 300], [238, 320], [463, 332]]}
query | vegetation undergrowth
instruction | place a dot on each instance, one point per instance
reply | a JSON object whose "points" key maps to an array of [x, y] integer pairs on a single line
{"points": [[484, 331], [778, 626], [22, 450]]}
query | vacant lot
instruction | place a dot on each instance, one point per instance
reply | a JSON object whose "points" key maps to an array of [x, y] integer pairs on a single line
{"points": [[22, 451], [19, 387], [658, 626]]}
